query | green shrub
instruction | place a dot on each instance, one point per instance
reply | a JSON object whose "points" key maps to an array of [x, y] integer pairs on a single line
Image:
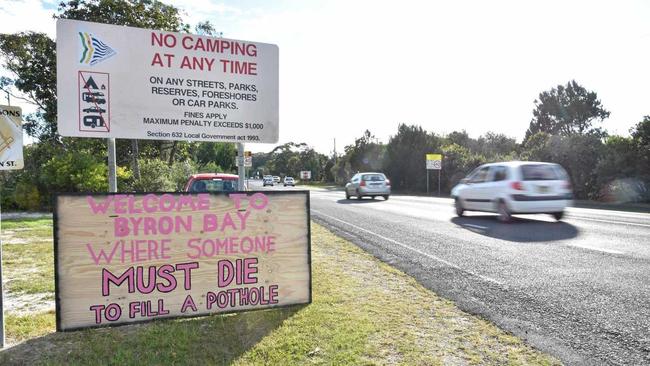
{"points": [[154, 177]]}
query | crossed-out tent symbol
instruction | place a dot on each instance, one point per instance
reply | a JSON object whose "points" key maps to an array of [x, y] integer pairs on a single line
{"points": [[94, 112]]}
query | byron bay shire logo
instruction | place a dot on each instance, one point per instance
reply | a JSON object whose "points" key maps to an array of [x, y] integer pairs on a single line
{"points": [[93, 49]]}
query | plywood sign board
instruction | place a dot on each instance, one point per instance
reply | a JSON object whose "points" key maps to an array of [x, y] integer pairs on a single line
{"points": [[125, 258]]}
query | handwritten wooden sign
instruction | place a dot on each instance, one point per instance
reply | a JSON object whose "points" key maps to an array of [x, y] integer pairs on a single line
{"points": [[125, 258]]}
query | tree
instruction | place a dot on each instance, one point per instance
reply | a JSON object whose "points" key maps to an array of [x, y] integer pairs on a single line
{"points": [[567, 110], [31, 57], [220, 155], [641, 137], [405, 156]]}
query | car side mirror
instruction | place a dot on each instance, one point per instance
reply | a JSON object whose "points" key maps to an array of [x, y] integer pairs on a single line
{"points": [[464, 181]]}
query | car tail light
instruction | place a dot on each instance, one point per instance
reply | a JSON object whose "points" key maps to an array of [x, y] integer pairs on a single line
{"points": [[567, 185], [363, 183], [387, 182], [517, 186]]}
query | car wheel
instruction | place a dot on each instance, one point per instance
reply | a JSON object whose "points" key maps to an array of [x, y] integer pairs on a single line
{"points": [[373, 197], [359, 195], [347, 196], [386, 197], [504, 212], [459, 207], [558, 215]]}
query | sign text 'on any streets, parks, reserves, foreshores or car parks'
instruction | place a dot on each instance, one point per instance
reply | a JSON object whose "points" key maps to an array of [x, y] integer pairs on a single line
{"points": [[123, 258], [124, 82], [11, 138]]}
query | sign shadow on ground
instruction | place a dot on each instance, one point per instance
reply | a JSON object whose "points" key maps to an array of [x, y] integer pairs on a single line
{"points": [[216, 337]]}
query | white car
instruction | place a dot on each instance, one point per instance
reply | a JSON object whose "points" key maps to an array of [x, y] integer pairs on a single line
{"points": [[267, 181], [288, 181], [517, 187], [276, 179]]}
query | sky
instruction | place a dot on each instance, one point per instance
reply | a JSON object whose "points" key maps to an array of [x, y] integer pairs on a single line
{"points": [[347, 66]]}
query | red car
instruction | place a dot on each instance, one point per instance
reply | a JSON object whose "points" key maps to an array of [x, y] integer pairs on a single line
{"points": [[212, 182]]}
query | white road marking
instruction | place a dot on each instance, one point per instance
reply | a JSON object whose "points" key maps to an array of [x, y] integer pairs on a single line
{"points": [[476, 226], [430, 256], [609, 221], [610, 251]]}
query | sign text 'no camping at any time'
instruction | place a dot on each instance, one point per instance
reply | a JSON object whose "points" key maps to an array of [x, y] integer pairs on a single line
{"points": [[125, 82]]}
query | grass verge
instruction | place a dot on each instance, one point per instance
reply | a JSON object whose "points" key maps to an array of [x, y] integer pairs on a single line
{"points": [[364, 312], [28, 265]]}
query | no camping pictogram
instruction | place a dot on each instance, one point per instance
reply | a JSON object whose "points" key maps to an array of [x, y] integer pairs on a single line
{"points": [[94, 101]]}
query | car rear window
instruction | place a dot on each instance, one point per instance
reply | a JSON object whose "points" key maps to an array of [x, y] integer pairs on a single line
{"points": [[214, 185], [539, 172], [373, 177]]}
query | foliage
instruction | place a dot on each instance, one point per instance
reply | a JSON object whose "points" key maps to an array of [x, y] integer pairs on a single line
{"points": [[180, 173], [289, 160], [155, 177], [26, 196], [32, 58], [214, 157], [135, 13], [567, 110], [56, 163], [405, 154], [76, 171]]}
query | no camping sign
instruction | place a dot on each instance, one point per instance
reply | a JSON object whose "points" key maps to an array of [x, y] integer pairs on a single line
{"points": [[125, 82], [125, 258]]}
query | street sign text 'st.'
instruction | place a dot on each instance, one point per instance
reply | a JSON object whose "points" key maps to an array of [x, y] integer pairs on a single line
{"points": [[124, 82], [11, 138]]}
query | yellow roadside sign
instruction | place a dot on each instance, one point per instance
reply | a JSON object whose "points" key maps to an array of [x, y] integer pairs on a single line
{"points": [[434, 156]]}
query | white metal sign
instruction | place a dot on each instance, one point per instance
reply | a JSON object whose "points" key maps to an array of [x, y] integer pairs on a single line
{"points": [[124, 82], [246, 160], [305, 174], [434, 164], [434, 161], [11, 138]]}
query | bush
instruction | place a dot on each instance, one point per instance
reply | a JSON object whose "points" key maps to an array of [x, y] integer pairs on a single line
{"points": [[154, 177], [180, 172], [27, 197], [77, 171]]}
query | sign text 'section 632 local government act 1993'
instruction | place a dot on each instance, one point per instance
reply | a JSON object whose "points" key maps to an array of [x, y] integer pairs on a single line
{"points": [[115, 81]]}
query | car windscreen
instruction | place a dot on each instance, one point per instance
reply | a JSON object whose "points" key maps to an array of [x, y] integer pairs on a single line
{"points": [[213, 185], [373, 177], [539, 172]]}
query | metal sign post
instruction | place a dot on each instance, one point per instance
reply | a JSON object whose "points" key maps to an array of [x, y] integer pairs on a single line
{"points": [[2, 305], [427, 181], [112, 170], [240, 167], [434, 162], [11, 158]]}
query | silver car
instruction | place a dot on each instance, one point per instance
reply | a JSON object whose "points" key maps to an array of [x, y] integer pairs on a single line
{"points": [[368, 185]]}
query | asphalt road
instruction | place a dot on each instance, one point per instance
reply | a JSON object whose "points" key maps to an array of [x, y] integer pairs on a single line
{"points": [[578, 289]]}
